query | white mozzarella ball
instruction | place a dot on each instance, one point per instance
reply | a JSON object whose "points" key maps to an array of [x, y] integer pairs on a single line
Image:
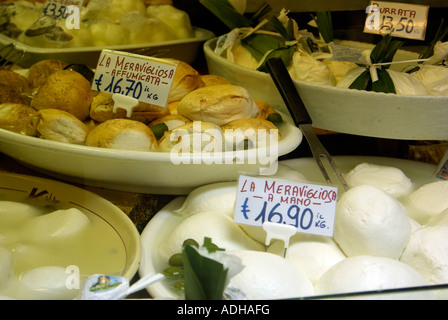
{"points": [[414, 225], [314, 255], [220, 228], [427, 252], [440, 219], [368, 273], [255, 232], [6, 239], [218, 197], [11, 211], [6, 268], [427, 201], [370, 222], [268, 276], [389, 179], [56, 225], [285, 172], [45, 283]]}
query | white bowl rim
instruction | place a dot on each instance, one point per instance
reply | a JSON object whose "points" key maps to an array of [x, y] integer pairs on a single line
{"points": [[200, 35], [141, 156], [209, 51]]}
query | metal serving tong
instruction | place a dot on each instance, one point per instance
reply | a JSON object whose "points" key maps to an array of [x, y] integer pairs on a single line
{"points": [[301, 118], [10, 55]]}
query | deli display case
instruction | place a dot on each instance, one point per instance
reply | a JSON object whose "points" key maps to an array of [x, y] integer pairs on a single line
{"points": [[85, 142]]}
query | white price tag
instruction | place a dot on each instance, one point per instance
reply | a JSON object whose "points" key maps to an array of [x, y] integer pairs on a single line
{"points": [[227, 41], [143, 78], [309, 208], [399, 19], [58, 8], [341, 53]]}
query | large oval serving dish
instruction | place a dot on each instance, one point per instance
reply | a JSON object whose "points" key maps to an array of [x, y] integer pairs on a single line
{"points": [[161, 225], [137, 171], [118, 254], [347, 111], [185, 50]]}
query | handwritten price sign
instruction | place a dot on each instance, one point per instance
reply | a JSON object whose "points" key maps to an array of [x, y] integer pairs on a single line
{"points": [[143, 78], [399, 19], [309, 208], [58, 8]]}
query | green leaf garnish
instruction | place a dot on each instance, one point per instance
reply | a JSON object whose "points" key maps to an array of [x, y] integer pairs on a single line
{"points": [[383, 52], [224, 10], [325, 25], [205, 279], [210, 246], [263, 11], [259, 44], [441, 33], [285, 53], [363, 82], [287, 33], [384, 84]]}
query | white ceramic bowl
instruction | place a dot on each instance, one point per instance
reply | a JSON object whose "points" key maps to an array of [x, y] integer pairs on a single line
{"points": [[185, 50], [159, 228], [137, 171], [19, 188], [347, 111]]}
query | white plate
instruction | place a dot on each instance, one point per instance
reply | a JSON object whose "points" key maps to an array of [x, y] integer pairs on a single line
{"points": [[134, 171], [185, 50], [17, 188], [155, 232], [363, 113], [164, 221]]}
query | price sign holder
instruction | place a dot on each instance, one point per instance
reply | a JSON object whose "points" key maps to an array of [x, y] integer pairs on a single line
{"points": [[124, 102], [401, 20], [308, 208], [279, 232], [132, 79]]}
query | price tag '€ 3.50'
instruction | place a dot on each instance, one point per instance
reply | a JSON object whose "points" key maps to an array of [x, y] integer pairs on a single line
{"points": [[398, 19]]}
